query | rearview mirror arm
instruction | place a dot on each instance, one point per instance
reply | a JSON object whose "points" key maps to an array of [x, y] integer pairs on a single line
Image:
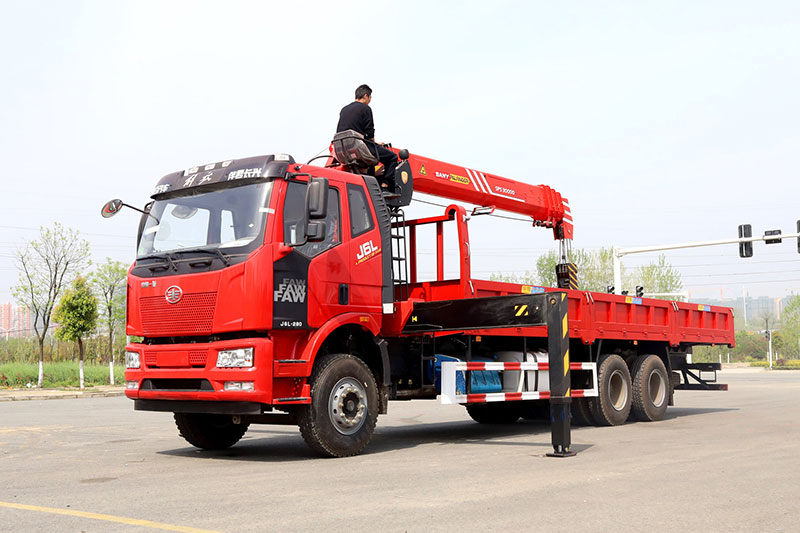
{"points": [[142, 211]]}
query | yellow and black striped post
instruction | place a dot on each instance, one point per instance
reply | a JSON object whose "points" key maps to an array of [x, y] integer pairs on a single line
{"points": [[560, 391]]}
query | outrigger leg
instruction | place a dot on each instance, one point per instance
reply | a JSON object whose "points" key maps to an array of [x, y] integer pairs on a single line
{"points": [[560, 394]]}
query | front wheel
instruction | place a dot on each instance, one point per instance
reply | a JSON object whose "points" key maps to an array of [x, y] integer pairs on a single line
{"points": [[209, 432], [343, 412]]}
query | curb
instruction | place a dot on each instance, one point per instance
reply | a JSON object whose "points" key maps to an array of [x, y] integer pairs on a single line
{"points": [[17, 396]]}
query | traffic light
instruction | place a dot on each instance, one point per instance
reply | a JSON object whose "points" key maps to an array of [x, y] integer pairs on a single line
{"points": [[766, 334], [639, 291], [771, 233], [746, 248]]}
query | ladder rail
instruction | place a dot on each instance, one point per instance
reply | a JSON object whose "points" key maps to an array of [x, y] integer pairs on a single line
{"points": [[399, 251]]}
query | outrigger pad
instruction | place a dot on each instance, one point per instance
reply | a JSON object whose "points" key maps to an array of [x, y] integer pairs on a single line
{"points": [[350, 149]]}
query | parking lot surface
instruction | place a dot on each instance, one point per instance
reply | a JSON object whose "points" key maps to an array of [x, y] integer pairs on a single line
{"points": [[721, 461]]}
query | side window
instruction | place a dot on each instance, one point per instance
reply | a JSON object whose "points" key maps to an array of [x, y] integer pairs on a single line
{"points": [[360, 214], [293, 211]]}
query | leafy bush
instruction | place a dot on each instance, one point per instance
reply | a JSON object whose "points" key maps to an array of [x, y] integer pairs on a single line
{"points": [[62, 374], [780, 364]]}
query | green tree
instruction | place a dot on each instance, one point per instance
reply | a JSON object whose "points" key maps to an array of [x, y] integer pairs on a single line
{"points": [[76, 315], [596, 272], [109, 283], [790, 325], [46, 266], [657, 277]]}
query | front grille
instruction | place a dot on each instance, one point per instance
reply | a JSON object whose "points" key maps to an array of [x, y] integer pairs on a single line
{"points": [[198, 357], [176, 359], [192, 315]]}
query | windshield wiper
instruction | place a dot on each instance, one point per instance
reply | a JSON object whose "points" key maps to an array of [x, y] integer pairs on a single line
{"points": [[170, 261], [212, 251]]}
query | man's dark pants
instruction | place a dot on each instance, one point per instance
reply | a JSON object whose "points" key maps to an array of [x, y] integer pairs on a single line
{"points": [[389, 160]]}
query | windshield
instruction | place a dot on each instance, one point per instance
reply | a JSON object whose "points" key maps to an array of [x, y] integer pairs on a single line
{"points": [[230, 220]]}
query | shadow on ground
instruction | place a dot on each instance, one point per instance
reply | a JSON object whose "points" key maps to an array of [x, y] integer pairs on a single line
{"points": [[264, 444]]}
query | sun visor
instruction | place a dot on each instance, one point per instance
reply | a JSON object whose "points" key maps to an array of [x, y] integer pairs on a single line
{"points": [[205, 177]]}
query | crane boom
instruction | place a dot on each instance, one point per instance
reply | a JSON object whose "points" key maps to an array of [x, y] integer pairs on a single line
{"points": [[544, 205]]}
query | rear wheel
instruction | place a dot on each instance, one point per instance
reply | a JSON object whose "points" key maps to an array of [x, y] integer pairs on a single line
{"points": [[495, 413], [613, 404], [650, 388], [209, 432], [343, 412]]}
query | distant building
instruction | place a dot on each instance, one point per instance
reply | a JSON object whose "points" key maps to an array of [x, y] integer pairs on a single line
{"points": [[15, 321], [757, 307]]}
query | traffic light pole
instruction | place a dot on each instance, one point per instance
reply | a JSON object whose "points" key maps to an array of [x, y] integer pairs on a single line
{"points": [[620, 252]]}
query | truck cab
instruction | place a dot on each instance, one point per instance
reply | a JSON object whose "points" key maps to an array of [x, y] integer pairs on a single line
{"points": [[239, 264]]}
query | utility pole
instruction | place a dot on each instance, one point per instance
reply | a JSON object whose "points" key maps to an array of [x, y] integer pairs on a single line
{"points": [[744, 301], [770, 348], [769, 340]]}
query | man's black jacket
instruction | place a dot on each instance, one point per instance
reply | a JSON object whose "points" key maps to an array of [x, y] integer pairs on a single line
{"points": [[356, 116]]}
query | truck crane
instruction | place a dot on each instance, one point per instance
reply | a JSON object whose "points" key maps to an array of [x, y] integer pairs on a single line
{"points": [[267, 291]]}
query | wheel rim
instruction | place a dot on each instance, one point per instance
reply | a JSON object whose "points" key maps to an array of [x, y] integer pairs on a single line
{"points": [[347, 405], [656, 389], [617, 390]]}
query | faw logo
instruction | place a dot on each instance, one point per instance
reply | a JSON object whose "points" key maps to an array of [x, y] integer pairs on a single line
{"points": [[366, 251], [291, 290], [173, 294]]}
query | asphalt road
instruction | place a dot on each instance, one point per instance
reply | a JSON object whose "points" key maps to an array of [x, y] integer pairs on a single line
{"points": [[721, 461]]}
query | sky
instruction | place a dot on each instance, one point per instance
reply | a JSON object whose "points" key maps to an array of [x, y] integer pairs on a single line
{"points": [[661, 122]]}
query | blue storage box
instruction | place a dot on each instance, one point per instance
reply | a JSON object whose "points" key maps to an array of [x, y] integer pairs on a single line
{"points": [[483, 381]]}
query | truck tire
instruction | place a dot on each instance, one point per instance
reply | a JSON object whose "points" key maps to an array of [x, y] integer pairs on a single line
{"points": [[494, 413], [209, 432], [650, 389], [613, 405], [581, 414], [343, 412]]}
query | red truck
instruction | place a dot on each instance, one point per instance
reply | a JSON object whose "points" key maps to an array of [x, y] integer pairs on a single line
{"points": [[269, 291]]}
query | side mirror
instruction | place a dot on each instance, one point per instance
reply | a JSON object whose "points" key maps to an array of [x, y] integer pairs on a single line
{"points": [[111, 208], [317, 198], [315, 231]]}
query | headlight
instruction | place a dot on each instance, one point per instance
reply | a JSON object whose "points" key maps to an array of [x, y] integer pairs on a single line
{"points": [[235, 358], [132, 360]]}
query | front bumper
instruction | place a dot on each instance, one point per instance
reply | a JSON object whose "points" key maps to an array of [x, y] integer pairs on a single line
{"points": [[188, 372]]}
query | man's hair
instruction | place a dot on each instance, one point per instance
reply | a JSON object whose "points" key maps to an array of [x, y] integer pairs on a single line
{"points": [[362, 91]]}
